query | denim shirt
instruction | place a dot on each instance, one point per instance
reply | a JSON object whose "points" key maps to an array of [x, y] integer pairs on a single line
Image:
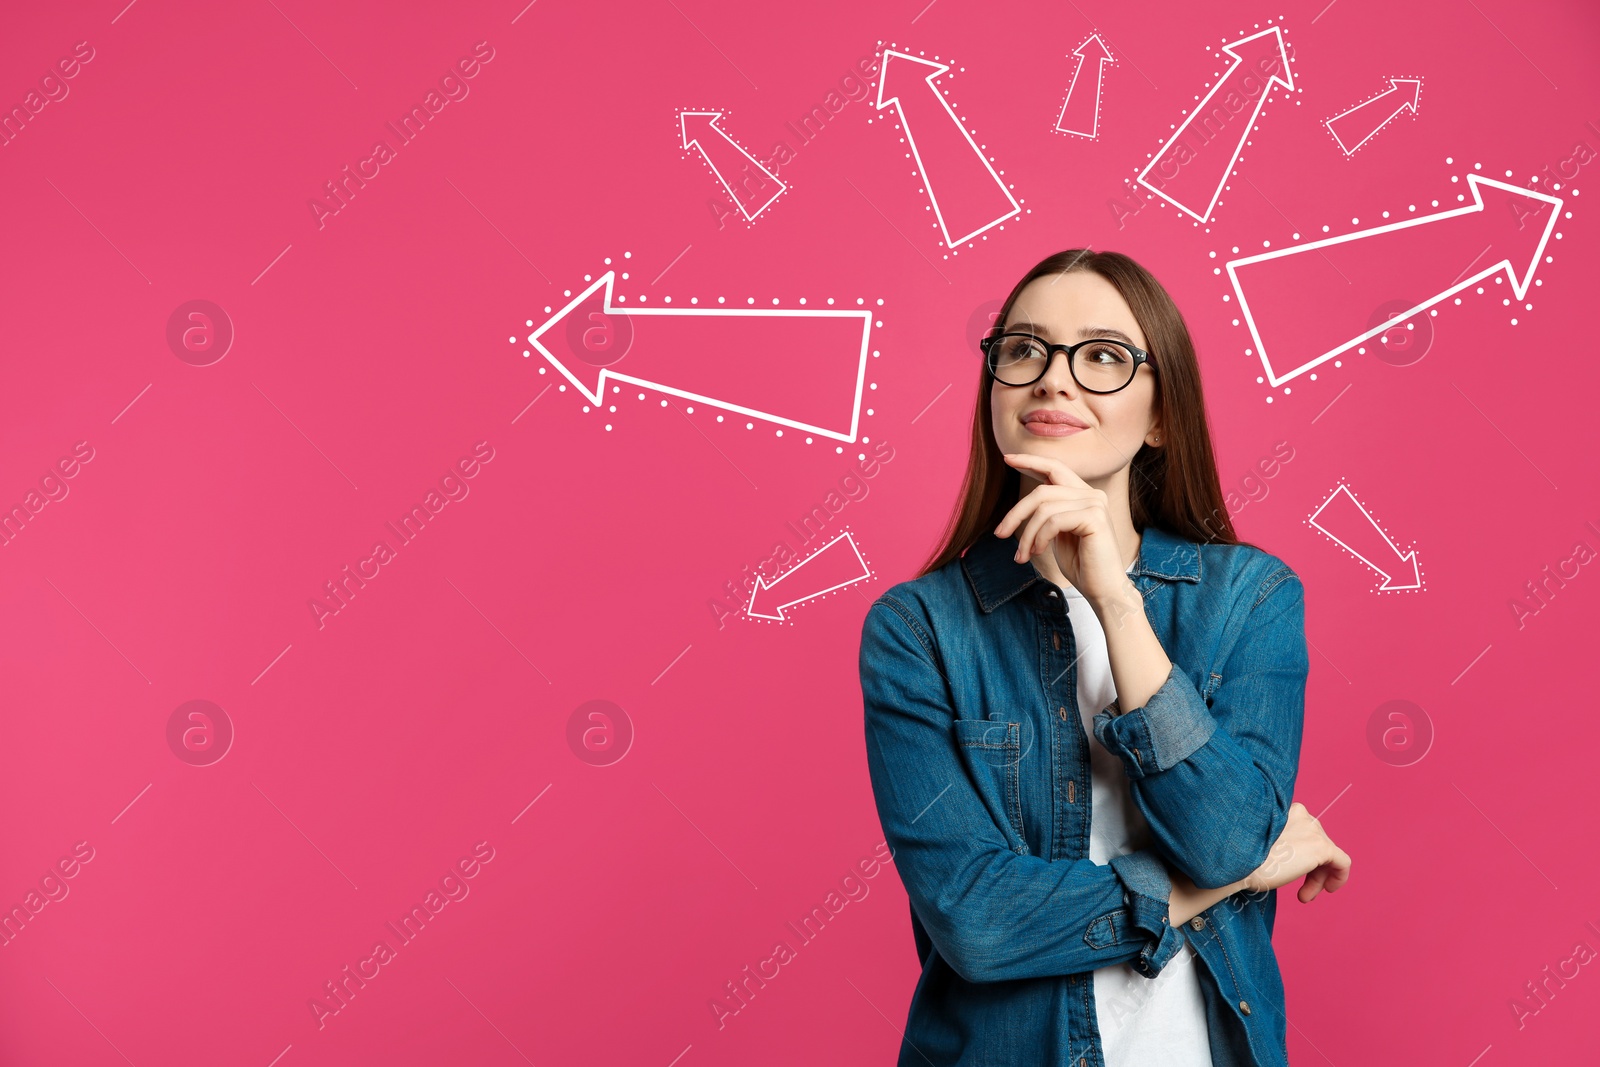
{"points": [[980, 770]]}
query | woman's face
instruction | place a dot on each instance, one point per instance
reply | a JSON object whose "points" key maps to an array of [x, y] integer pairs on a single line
{"points": [[1103, 431]]}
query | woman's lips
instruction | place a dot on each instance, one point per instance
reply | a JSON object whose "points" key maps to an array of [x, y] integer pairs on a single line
{"points": [[1052, 424]]}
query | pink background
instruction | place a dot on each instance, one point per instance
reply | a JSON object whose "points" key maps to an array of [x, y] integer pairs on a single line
{"points": [[371, 354]]}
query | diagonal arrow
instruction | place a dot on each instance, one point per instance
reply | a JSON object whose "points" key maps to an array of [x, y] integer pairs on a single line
{"points": [[966, 194], [1194, 164], [798, 367], [834, 566], [1361, 536], [1081, 113], [746, 181], [1355, 127], [1300, 319]]}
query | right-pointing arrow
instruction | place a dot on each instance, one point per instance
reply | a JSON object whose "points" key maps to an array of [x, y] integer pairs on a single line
{"points": [[1303, 309], [1342, 518]]}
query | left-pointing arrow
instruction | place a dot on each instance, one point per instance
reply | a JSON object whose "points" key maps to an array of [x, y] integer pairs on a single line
{"points": [[834, 566], [799, 367], [752, 186]]}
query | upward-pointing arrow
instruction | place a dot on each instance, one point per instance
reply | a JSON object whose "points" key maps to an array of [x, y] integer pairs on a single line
{"points": [[1193, 166], [751, 185], [1081, 113]]}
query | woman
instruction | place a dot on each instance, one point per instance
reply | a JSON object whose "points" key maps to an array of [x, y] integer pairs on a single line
{"points": [[1083, 716]]}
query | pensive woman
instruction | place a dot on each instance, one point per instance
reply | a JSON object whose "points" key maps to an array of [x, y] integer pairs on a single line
{"points": [[1083, 716]]}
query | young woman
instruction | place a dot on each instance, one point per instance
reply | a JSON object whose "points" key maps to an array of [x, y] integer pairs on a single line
{"points": [[1083, 717]]}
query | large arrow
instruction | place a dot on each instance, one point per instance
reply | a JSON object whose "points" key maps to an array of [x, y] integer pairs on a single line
{"points": [[751, 185], [833, 566], [1194, 165], [797, 367], [967, 195], [1081, 113], [1304, 310], [1355, 127], [1342, 518]]}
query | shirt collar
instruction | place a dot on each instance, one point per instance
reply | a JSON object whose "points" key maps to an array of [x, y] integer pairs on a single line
{"points": [[996, 576]]}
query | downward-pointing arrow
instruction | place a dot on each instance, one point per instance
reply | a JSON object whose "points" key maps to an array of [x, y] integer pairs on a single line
{"points": [[1342, 518], [967, 195], [1355, 127], [1081, 113], [833, 566], [1302, 314], [751, 185]]}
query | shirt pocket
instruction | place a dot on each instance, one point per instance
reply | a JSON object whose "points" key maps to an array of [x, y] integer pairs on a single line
{"points": [[991, 750]]}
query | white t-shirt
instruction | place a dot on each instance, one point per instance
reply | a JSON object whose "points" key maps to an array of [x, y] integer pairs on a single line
{"points": [[1142, 1020]]}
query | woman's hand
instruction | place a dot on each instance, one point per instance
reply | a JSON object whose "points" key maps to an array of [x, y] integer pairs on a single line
{"points": [[1303, 848], [1072, 519]]}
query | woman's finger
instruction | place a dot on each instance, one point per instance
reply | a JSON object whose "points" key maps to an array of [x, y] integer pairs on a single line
{"points": [[1023, 508], [1057, 471], [1052, 519]]}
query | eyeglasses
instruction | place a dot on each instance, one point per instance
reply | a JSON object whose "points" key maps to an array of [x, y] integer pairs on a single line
{"points": [[1098, 365]]}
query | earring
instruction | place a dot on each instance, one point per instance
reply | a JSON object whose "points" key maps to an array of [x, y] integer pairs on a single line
{"points": [[1157, 439]]}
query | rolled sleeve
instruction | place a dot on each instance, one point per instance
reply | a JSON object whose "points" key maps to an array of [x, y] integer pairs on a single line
{"points": [[1167, 730], [1148, 893]]}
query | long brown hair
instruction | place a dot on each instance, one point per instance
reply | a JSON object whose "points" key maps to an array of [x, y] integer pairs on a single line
{"points": [[1174, 488]]}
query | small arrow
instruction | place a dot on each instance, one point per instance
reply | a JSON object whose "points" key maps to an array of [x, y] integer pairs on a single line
{"points": [[1194, 164], [1360, 535], [968, 197], [731, 164], [1301, 314], [1355, 127], [825, 570], [799, 367], [1081, 113]]}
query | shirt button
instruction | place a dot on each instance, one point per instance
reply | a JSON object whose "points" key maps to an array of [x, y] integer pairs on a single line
{"points": [[1063, 711], [1052, 594], [1198, 923], [1244, 1006]]}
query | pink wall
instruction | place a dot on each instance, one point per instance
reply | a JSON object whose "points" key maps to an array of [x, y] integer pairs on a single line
{"points": [[438, 719]]}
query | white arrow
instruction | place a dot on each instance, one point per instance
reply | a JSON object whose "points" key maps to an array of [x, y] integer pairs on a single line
{"points": [[1086, 110], [820, 573], [788, 356], [700, 129], [970, 196], [1374, 114], [1360, 531], [1196, 176], [1388, 258]]}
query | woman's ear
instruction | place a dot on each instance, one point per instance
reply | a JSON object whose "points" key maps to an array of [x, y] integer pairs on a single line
{"points": [[1153, 436]]}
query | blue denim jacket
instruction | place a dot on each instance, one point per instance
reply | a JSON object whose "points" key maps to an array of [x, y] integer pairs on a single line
{"points": [[980, 770]]}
